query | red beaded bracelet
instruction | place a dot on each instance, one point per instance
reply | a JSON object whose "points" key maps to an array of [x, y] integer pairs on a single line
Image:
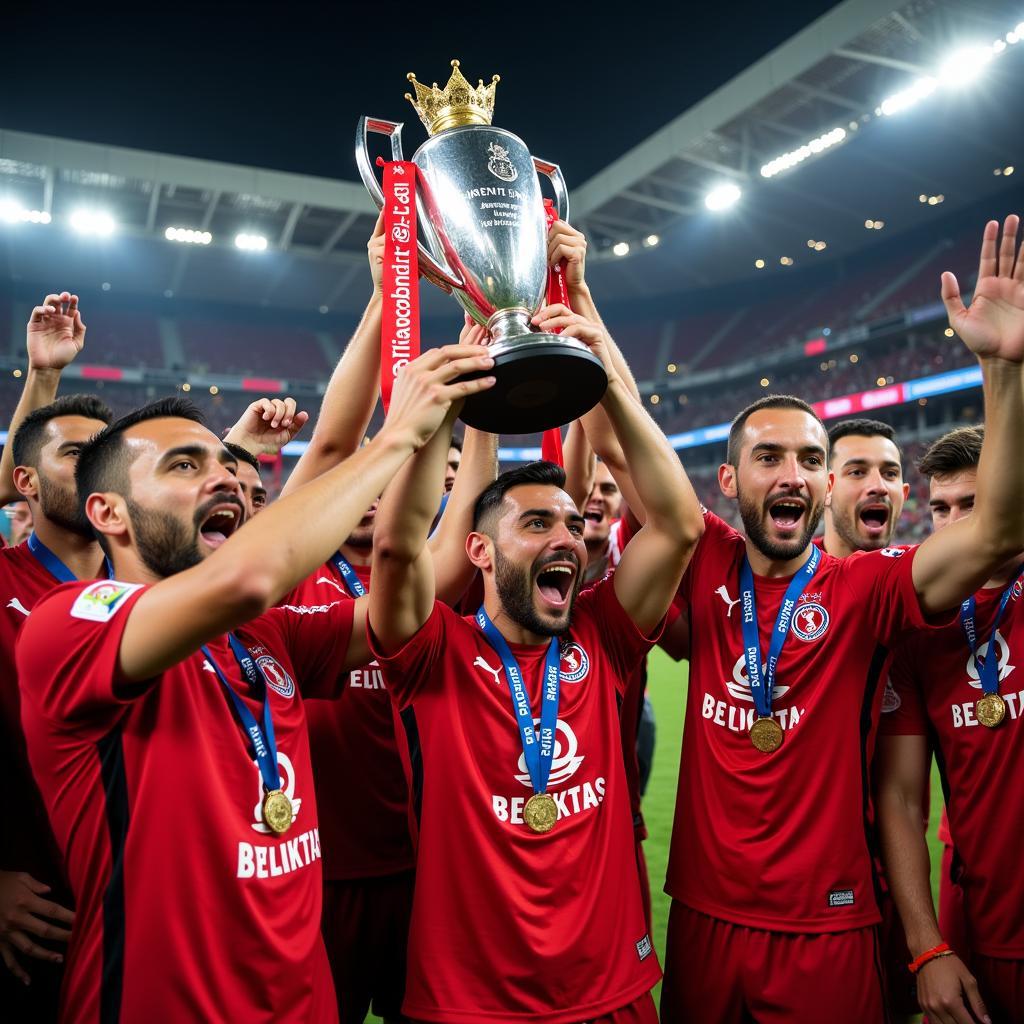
{"points": [[942, 949]]}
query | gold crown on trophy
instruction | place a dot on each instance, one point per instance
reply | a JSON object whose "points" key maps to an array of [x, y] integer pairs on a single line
{"points": [[457, 104]]}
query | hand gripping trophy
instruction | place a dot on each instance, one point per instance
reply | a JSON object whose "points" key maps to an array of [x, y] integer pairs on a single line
{"points": [[479, 203]]}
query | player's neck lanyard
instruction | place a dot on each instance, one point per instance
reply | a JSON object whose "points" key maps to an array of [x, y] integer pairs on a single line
{"points": [[261, 740], [763, 683], [988, 670], [54, 566], [538, 751], [348, 574]]}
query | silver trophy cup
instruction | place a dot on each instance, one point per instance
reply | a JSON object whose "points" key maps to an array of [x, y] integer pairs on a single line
{"points": [[484, 239]]}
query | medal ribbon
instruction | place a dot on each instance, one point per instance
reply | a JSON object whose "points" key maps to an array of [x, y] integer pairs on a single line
{"points": [[538, 750], [262, 743], [762, 684], [400, 282], [348, 574], [558, 291], [988, 670], [54, 566]]}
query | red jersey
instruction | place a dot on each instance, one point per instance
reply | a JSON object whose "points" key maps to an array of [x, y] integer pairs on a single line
{"points": [[934, 687], [509, 925], [188, 907], [361, 789], [785, 841], [30, 845]]}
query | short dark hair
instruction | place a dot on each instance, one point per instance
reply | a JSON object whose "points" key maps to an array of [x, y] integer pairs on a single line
{"points": [[102, 466], [862, 427], [493, 496], [455, 442], [732, 455], [954, 452], [243, 454], [29, 438]]}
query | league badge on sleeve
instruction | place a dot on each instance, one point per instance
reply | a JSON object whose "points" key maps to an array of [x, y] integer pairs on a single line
{"points": [[101, 600]]}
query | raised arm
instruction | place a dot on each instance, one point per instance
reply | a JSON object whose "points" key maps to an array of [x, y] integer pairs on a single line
{"points": [[54, 336], [580, 464], [257, 565], [653, 561], [267, 425], [945, 988], [351, 393], [954, 562]]}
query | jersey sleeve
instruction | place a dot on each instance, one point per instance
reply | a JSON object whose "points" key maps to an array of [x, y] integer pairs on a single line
{"points": [[69, 649], [882, 583], [412, 668], [317, 637], [624, 644], [716, 532], [903, 710]]}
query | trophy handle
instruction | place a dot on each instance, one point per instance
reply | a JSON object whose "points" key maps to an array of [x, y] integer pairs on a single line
{"points": [[439, 273], [554, 173]]}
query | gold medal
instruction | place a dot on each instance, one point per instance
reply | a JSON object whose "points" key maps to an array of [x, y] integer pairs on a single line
{"points": [[990, 710], [766, 735], [277, 811], [540, 812]]}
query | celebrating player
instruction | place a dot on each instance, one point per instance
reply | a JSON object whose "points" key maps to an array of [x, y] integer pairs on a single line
{"points": [[522, 910], [770, 869], [172, 753], [950, 686]]}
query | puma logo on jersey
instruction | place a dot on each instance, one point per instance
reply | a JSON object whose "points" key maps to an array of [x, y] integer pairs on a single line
{"points": [[332, 583], [723, 593], [17, 606], [496, 672]]}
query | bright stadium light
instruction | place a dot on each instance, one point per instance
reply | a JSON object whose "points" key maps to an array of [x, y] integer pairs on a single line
{"points": [[964, 66], [651, 241], [797, 156], [909, 97], [12, 212], [621, 248], [188, 235], [93, 222], [722, 197], [251, 243]]}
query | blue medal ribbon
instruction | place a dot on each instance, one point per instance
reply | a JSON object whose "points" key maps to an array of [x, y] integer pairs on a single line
{"points": [[53, 565], [261, 740], [538, 751], [762, 684], [348, 574], [988, 670]]}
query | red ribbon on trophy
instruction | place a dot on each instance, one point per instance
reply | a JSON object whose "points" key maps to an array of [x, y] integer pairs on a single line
{"points": [[551, 441], [400, 280]]}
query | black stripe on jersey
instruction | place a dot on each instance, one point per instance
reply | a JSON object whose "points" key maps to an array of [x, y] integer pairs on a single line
{"points": [[412, 737], [876, 949], [871, 686], [115, 785], [956, 866]]}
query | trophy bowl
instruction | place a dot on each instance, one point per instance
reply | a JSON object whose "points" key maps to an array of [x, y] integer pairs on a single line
{"points": [[481, 211]]}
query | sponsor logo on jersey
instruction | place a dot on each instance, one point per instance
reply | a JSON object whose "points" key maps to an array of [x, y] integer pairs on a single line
{"points": [[739, 685], [277, 679], [18, 606], [566, 761], [644, 948], [575, 663], [287, 783], [840, 898], [481, 663], [723, 593], [290, 853], [740, 719], [894, 552], [332, 583], [100, 601], [309, 609], [1002, 653], [810, 621], [891, 700], [368, 678]]}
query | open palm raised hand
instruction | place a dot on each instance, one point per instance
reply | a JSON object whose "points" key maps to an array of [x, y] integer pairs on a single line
{"points": [[55, 333], [992, 327]]}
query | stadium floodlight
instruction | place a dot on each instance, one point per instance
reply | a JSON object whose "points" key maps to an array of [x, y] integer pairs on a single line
{"points": [[251, 243], [12, 212], [651, 241], [909, 97], [621, 248], [796, 156], [963, 66], [189, 235], [93, 222], [723, 196]]}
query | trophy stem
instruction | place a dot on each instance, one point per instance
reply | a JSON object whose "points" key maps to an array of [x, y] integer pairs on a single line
{"points": [[508, 324]]}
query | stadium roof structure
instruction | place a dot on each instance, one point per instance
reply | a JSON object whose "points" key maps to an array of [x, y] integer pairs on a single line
{"points": [[805, 135]]}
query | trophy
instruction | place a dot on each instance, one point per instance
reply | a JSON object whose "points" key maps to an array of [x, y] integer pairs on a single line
{"points": [[478, 200]]}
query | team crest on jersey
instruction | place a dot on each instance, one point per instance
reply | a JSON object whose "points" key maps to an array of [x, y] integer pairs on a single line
{"points": [[1017, 589], [575, 663], [287, 776], [810, 621], [277, 679], [891, 700], [565, 763], [894, 552], [101, 600]]}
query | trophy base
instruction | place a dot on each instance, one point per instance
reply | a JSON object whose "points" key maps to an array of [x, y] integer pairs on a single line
{"points": [[543, 381]]}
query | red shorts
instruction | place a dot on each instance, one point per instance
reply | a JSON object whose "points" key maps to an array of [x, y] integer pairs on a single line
{"points": [[365, 926], [1001, 983], [640, 1011], [722, 973]]}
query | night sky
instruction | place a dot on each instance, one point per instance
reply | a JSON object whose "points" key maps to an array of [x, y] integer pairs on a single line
{"points": [[283, 90]]}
